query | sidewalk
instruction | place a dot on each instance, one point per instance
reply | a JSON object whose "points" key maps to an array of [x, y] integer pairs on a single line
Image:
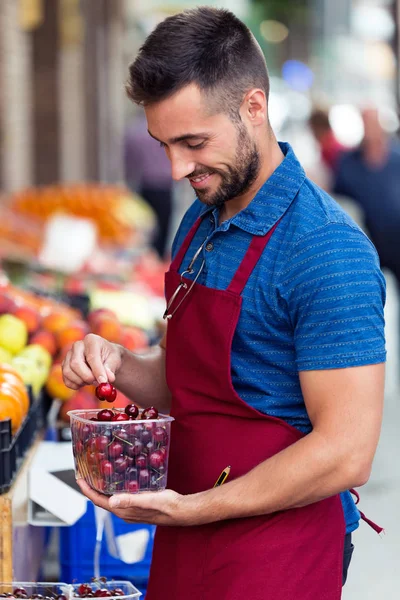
{"points": [[375, 570]]}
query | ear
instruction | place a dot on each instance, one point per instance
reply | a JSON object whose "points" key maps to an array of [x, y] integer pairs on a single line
{"points": [[254, 108]]}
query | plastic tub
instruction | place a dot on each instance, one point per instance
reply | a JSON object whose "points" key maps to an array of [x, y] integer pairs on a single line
{"points": [[128, 589], [62, 591], [47, 590], [121, 456]]}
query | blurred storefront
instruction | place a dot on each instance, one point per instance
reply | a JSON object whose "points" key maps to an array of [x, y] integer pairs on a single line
{"points": [[61, 107]]}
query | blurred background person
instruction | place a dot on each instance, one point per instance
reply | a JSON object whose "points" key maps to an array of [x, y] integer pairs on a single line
{"points": [[148, 172], [370, 175], [330, 148]]}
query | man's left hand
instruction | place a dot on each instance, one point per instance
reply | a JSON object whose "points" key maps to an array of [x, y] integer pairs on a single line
{"points": [[156, 508]]}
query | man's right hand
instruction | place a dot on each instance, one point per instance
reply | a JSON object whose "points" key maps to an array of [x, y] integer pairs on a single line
{"points": [[91, 361]]}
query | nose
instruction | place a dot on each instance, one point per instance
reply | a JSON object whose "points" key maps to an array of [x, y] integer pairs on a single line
{"points": [[180, 167]]}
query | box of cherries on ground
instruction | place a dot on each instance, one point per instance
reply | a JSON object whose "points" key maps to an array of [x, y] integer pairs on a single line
{"points": [[121, 450]]}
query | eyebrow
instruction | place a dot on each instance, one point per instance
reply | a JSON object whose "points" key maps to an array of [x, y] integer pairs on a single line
{"points": [[182, 138]]}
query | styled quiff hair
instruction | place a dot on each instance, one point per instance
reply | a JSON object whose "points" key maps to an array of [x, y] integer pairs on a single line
{"points": [[205, 46]]}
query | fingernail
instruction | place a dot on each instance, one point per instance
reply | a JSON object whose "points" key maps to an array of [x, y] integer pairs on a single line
{"points": [[102, 379], [114, 502]]}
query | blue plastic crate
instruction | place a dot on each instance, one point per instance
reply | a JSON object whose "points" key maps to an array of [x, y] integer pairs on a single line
{"points": [[77, 545]]}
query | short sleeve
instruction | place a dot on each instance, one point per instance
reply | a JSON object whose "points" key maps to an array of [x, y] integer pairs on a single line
{"points": [[335, 294]]}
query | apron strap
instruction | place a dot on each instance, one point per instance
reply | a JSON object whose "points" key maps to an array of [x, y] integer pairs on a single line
{"points": [[180, 255], [373, 525], [251, 258]]}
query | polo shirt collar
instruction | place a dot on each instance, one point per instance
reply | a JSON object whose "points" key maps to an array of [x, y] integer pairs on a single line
{"points": [[272, 200]]}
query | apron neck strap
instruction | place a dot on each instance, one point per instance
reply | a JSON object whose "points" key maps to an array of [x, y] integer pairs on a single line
{"points": [[180, 255], [251, 258]]}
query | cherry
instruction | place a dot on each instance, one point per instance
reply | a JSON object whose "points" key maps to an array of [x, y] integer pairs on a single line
{"points": [[117, 592], [150, 447], [120, 464], [150, 413], [146, 437], [132, 487], [92, 446], [136, 449], [156, 459], [130, 461], [61, 597], [85, 432], [101, 456], [101, 443], [84, 588], [106, 468], [120, 417], [141, 461], [144, 478], [20, 592], [115, 449], [79, 447], [132, 411], [121, 434], [105, 415], [136, 429], [106, 391], [160, 435]]}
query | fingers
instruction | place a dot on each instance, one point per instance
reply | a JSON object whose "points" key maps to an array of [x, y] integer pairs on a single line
{"points": [[76, 372], [92, 360], [98, 499], [93, 346]]}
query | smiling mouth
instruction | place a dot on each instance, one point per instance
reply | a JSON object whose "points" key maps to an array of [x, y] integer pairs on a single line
{"points": [[199, 178]]}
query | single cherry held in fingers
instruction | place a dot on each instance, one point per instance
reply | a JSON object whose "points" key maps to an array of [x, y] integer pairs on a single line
{"points": [[132, 411], [106, 391], [150, 413]]}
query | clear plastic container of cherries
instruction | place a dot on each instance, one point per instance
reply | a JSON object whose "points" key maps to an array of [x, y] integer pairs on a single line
{"points": [[97, 588], [121, 450]]}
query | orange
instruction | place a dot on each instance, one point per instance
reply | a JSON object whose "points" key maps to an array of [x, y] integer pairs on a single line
{"points": [[11, 408], [14, 383], [6, 368]]}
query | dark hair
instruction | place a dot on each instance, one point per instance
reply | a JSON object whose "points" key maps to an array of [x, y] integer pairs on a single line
{"points": [[319, 120], [207, 46]]}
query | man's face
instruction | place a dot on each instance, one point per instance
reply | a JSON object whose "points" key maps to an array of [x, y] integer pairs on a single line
{"points": [[219, 157]]}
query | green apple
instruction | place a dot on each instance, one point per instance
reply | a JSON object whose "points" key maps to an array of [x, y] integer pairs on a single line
{"points": [[39, 354], [31, 374], [13, 333], [5, 356]]}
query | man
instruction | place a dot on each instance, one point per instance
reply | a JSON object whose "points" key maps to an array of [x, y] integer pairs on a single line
{"points": [[370, 175], [331, 148], [273, 358], [148, 172]]}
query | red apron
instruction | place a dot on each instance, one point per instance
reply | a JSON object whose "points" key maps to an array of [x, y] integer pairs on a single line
{"points": [[289, 555]]}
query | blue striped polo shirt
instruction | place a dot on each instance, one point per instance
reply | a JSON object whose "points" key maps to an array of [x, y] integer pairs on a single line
{"points": [[315, 299]]}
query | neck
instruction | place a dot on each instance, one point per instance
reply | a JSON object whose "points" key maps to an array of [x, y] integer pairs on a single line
{"points": [[271, 157]]}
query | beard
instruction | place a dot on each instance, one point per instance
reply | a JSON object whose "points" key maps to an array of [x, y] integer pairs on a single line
{"points": [[238, 178]]}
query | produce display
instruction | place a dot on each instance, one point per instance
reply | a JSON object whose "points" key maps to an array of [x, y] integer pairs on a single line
{"points": [[35, 335], [118, 215], [119, 450]]}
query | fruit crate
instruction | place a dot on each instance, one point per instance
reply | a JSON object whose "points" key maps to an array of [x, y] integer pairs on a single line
{"points": [[13, 449], [77, 547]]}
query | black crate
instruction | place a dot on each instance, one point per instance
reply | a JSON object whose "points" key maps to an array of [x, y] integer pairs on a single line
{"points": [[13, 449]]}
